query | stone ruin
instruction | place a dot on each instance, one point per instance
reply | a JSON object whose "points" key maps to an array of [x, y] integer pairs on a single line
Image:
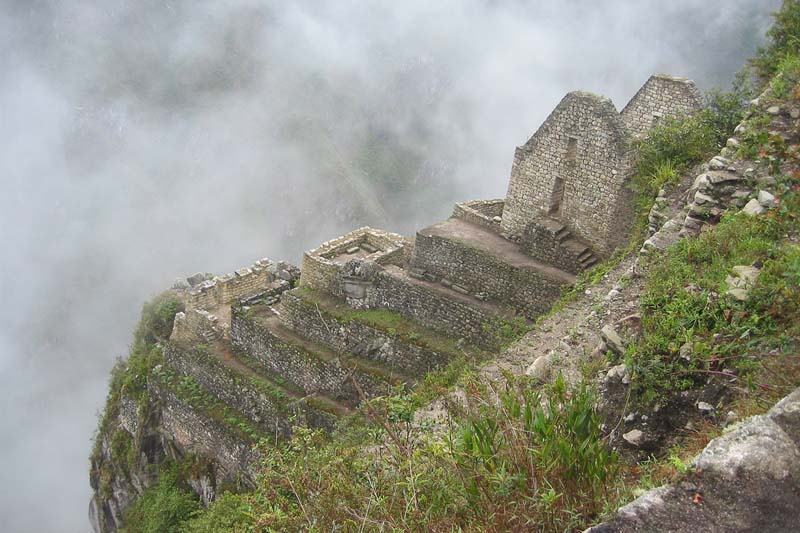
{"points": [[373, 310]]}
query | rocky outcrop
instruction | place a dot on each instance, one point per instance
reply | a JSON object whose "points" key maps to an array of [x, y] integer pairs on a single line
{"points": [[748, 479]]}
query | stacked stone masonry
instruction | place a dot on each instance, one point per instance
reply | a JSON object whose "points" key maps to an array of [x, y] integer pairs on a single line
{"points": [[486, 213], [660, 97], [194, 431], [220, 291], [551, 242], [576, 167], [280, 356], [353, 336], [322, 266], [267, 411], [529, 289], [311, 370]]}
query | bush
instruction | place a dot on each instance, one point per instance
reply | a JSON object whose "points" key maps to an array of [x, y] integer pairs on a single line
{"points": [[534, 460], [783, 40], [158, 316], [162, 508]]}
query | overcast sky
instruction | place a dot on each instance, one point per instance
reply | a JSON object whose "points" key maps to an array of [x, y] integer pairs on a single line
{"points": [[145, 140]]}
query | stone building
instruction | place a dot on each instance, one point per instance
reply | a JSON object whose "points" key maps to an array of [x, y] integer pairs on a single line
{"points": [[574, 171]]}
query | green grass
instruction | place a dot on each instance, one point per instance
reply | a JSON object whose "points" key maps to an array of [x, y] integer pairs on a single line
{"points": [[162, 508], [533, 460], [684, 303]]}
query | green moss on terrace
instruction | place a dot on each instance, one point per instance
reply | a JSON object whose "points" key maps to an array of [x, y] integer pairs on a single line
{"points": [[190, 392], [390, 322]]}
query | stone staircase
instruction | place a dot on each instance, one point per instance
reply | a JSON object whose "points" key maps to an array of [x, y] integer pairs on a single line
{"points": [[585, 256]]}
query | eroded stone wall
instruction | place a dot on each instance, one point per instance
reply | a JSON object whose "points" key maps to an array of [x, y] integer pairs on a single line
{"points": [[194, 431], [660, 97], [268, 411], [224, 290]]}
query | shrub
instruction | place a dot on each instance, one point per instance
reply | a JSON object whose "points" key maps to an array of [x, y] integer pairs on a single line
{"points": [[783, 40], [162, 508], [158, 315]]}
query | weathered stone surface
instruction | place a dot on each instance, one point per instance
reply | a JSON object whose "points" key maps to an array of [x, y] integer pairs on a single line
{"points": [[634, 437], [540, 368], [767, 199], [612, 339], [742, 281], [786, 414], [758, 447], [753, 208], [746, 480]]}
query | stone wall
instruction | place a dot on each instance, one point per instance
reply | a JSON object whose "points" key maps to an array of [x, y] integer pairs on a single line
{"points": [[351, 336], [219, 291], [310, 371], [529, 290], [486, 213], [660, 97], [194, 431], [268, 411], [573, 170], [449, 314], [322, 266]]}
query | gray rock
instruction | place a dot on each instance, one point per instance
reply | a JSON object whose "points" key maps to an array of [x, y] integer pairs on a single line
{"points": [[786, 414], [794, 113], [753, 208], [642, 507], [612, 339], [540, 368], [742, 281], [617, 373], [732, 143], [718, 163], [774, 110], [767, 199], [196, 279], [701, 199], [767, 181], [705, 408], [634, 437], [757, 447]]}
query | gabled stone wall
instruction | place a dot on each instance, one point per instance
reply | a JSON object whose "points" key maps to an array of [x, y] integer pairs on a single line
{"points": [[660, 97], [573, 170]]}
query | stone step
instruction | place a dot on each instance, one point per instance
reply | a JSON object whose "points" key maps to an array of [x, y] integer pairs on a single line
{"points": [[586, 254], [563, 234], [589, 263]]}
